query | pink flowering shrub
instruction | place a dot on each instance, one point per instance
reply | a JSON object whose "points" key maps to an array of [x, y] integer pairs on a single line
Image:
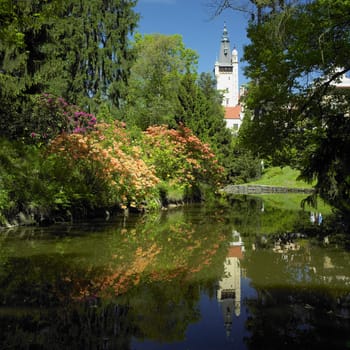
{"points": [[53, 115]]}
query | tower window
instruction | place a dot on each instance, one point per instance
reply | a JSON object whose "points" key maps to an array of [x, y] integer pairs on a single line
{"points": [[225, 69]]}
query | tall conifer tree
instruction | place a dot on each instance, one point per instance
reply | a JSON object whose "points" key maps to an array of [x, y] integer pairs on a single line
{"points": [[199, 108], [77, 49], [90, 47]]}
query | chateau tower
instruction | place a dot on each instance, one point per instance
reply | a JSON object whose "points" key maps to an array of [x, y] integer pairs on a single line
{"points": [[226, 74]]}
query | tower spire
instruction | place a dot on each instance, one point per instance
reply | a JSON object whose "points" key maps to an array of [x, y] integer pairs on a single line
{"points": [[225, 34], [225, 51]]}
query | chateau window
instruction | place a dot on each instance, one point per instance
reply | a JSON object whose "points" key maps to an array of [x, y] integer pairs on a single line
{"points": [[225, 69]]}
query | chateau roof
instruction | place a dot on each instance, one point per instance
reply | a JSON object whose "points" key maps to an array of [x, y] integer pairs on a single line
{"points": [[233, 112]]}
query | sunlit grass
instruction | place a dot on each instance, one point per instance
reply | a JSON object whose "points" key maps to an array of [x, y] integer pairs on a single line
{"points": [[286, 177]]}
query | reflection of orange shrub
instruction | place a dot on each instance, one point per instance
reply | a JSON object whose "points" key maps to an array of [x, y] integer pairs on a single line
{"points": [[184, 258], [129, 274], [148, 263]]}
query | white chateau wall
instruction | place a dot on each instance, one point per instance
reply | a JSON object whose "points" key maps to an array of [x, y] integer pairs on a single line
{"points": [[227, 82], [234, 124], [344, 83]]}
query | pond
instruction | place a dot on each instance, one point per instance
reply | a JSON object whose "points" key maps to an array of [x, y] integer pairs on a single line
{"points": [[253, 273]]}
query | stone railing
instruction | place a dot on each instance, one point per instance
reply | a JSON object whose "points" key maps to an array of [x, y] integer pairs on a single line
{"points": [[262, 189]]}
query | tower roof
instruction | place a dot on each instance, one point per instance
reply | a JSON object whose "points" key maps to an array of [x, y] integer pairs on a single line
{"points": [[225, 54]]}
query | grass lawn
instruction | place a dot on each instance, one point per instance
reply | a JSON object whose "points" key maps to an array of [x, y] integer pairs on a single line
{"points": [[286, 177]]}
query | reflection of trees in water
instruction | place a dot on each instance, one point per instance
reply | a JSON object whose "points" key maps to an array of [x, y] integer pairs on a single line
{"points": [[303, 299], [250, 216], [161, 311], [154, 313], [73, 326], [289, 319], [136, 284]]}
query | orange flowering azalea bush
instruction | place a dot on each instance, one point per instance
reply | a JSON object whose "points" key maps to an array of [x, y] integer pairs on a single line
{"points": [[110, 165], [112, 168], [181, 157]]}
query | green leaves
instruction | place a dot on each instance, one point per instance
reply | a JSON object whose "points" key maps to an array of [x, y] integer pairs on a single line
{"points": [[155, 79], [296, 57], [75, 49]]}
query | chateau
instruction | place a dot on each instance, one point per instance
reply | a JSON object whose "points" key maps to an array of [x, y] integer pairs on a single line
{"points": [[226, 74]]}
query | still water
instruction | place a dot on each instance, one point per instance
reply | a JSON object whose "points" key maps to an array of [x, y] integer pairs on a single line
{"points": [[249, 274]]}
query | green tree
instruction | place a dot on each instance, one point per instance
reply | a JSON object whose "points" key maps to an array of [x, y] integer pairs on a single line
{"points": [[9, 31], [91, 52], [217, 134], [296, 56], [156, 77], [189, 110], [22, 33], [76, 49], [200, 109]]}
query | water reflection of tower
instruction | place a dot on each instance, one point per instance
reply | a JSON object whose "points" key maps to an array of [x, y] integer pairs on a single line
{"points": [[229, 290]]}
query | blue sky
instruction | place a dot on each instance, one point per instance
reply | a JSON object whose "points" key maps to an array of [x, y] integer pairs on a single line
{"points": [[192, 19]]}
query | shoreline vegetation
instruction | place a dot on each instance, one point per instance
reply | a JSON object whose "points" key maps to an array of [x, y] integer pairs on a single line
{"points": [[92, 167], [95, 166], [154, 180]]}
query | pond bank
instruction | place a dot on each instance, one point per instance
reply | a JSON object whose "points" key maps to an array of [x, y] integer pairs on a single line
{"points": [[261, 189]]}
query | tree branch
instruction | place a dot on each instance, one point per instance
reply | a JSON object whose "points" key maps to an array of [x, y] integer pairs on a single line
{"points": [[321, 90]]}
